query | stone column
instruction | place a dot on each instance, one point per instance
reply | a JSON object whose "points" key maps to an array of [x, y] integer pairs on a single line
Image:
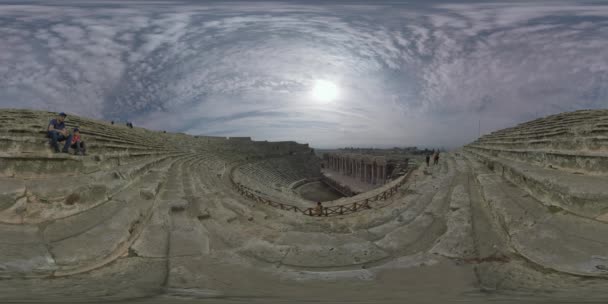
{"points": [[384, 174], [374, 174], [364, 172]]}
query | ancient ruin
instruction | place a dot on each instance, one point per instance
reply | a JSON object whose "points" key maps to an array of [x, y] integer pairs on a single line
{"points": [[149, 213]]}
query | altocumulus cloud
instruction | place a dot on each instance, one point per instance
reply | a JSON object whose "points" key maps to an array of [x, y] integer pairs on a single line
{"points": [[408, 73]]}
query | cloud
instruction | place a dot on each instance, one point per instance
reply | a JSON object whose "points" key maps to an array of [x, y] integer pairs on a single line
{"points": [[413, 74]]}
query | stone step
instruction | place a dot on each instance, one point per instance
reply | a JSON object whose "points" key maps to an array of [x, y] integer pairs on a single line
{"points": [[530, 136], [23, 253], [110, 238], [595, 163], [43, 164], [580, 194], [189, 249], [581, 127], [59, 197], [540, 235], [153, 241], [576, 143]]}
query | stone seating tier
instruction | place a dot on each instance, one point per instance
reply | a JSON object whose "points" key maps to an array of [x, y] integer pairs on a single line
{"points": [[281, 171], [591, 143], [562, 119], [596, 125], [589, 163], [579, 194]]}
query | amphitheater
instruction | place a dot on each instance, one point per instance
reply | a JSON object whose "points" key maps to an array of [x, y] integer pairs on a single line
{"points": [[147, 213]]}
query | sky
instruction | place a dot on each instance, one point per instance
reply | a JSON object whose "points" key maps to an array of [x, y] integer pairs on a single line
{"points": [[407, 73]]}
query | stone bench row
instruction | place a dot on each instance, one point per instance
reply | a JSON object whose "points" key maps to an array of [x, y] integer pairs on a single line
{"points": [[562, 242], [537, 135], [19, 160], [599, 129], [106, 232], [29, 136], [552, 124], [40, 144], [87, 135], [566, 119], [579, 194], [273, 175], [590, 143], [513, 136], [266, 177], [583, 126], [571, 161], [563, 119], [53, 198]]}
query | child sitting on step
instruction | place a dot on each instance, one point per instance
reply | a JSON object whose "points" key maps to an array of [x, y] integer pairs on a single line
{"points": [[77, 143]]}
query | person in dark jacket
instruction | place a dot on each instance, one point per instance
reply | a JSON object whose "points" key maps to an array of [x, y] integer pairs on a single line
{"points": [[319, 209], [57, 132]]}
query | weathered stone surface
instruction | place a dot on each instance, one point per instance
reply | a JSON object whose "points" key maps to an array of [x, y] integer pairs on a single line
{"points": [[23, 252], [147, 193], [457, 242], [323, 250], [154, 239], [178, 205], [560, 241], [76, 224], [188, 236], [103, 239], [10, 190]]}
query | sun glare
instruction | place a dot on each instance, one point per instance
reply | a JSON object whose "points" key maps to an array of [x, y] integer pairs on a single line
{"points": [[324, 91]]}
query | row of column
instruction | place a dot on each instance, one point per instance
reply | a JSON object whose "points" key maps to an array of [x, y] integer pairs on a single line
{"points": [[365, 170]]}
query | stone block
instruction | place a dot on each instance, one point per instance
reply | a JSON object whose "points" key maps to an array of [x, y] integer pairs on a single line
{"points": [[147, 193], [178, 205]]}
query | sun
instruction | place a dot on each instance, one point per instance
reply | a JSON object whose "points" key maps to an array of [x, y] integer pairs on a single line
{"points": [[324, 91]]}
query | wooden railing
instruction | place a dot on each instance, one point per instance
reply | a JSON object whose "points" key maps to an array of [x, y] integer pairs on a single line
{"points": [[363, 204]]}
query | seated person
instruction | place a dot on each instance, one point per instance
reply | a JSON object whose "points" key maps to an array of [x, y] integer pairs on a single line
{"points": [[78, 143], [57, 132]]}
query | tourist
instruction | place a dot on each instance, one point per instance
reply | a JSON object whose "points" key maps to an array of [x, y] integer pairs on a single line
{"points": [[436, 158], [57, 132], [112, 122], [428, 159], [319, 209], [77, 143]]}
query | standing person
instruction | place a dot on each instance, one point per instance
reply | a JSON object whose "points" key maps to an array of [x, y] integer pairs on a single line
{"points": [[428, 159], [78, 143], [319, 209], [57, 132], [436, 158]]}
